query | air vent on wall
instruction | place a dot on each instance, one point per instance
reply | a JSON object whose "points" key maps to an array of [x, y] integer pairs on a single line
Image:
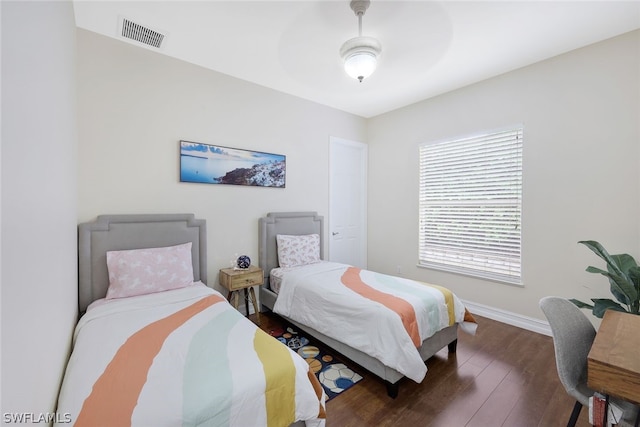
{"points": [[141, 34]]}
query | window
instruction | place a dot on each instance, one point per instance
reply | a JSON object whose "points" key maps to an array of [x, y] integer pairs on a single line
{"points": [[470, 205]]}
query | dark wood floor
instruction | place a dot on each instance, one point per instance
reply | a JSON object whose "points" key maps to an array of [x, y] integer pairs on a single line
{"points": [[502, 376]]}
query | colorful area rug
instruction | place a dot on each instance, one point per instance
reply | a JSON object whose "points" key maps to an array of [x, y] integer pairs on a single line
{"points": [[333, 374]]}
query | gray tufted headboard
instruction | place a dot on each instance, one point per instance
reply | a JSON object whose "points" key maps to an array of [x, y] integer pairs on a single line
{"points": [[275, 223], [121, 232]]}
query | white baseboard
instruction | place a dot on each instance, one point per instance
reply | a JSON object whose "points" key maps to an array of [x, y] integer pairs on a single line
{"points": [[514, 319]]}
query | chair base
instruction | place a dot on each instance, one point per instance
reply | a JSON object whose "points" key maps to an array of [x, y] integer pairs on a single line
{"points": [[575, 414]]}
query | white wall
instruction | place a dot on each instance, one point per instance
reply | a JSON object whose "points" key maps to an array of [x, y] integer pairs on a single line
{"points": [[134, 107], [39, 275], [581, 119]]}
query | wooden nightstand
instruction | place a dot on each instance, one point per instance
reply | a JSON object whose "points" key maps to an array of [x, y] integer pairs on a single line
{"points": [[242, 280]]}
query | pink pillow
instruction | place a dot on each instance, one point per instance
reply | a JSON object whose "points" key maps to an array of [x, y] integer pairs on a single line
{"points": [[145, 271], [298, 250]]}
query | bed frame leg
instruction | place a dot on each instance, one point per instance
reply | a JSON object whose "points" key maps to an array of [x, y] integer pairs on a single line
{"points": [[453, 345], [392, 389]]}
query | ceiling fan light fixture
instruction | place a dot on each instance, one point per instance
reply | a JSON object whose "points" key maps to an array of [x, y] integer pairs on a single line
{"points": [[360, 54]]}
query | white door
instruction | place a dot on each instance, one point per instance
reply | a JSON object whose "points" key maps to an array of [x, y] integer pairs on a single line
{"points": [[348, 202]]}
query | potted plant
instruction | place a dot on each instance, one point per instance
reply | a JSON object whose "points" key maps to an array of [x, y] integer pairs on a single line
{"points": [[624, 277]]}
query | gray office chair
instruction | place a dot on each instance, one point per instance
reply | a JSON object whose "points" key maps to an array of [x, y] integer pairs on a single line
{"points": [[573, 335]]}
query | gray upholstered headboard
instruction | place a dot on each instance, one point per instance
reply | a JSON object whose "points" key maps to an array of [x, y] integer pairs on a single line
{"points": [[121, 232], [275, 223]]}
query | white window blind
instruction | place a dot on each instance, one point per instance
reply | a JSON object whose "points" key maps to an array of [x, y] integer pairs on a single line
{"points": [[470, 205]]}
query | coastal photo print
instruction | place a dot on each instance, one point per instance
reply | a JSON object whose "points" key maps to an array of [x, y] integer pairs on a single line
{"points": [[214, 164]]}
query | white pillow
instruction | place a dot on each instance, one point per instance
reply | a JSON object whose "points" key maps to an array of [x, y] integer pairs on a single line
{"points": [[145, 271], [298, 250]]}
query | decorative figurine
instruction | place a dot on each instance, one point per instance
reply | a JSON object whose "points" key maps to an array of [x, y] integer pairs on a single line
{"points": [[243, 262]]}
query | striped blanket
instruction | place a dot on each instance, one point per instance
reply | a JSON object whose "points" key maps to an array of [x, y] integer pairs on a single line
{"points": [[183, 358], [384, 316]]}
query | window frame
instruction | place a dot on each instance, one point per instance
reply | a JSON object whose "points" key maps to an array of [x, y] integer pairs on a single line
{"points": [[503, 260]]}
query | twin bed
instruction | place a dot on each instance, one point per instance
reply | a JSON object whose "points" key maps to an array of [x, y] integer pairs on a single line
{"points": [[392, 337], [156, 346]]}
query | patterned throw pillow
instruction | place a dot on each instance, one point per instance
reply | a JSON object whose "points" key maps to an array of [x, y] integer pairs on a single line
{"points": [[298, 250], [145, 271]]}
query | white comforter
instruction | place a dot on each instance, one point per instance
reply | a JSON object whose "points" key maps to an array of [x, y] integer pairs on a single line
{"points": [[353, 307], [183, 358]]}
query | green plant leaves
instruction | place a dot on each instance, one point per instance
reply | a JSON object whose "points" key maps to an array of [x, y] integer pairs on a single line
{"points": [[581, 304], [599, 250], [634, 274], [624, 278], [601, 305]]}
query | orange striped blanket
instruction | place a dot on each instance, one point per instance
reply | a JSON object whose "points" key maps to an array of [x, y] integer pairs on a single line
{"points": [[384, 316], [183, 358]]}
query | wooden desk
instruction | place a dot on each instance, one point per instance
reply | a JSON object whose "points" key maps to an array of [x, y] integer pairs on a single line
{"points": [[613, 364]]}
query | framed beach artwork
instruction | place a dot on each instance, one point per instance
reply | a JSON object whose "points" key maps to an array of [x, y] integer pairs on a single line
{"points": [[214, 164]]}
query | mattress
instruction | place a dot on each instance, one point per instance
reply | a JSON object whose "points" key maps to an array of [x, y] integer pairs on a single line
{"points": [[277, 274]]}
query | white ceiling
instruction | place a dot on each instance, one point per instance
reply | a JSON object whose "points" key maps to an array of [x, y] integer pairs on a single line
{"points": [[428, 47]]}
